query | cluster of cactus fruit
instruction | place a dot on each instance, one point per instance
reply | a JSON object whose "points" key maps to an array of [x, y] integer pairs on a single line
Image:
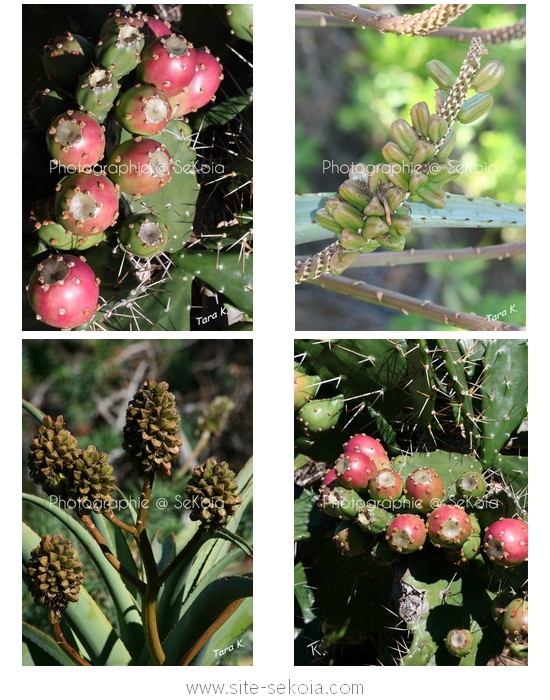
{"points": [[105, 122], [370, 209], [446, 525], [83, 481]]}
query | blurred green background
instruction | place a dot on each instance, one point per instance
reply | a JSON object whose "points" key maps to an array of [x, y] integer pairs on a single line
{"points": [[350, 85], [90, 383]]}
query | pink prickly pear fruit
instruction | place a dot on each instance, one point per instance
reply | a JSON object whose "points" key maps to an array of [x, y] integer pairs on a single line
{"points": [[506, 542], [202, 89], [157, 27], [63, 291], [143, 110], [386, 485], [330, 477], [354, 470], [425, 489], [406, 533], [371, 448], [459, 643], [168, 63], [86, 204], [140, 166], [449, 526], [515, 621], [75, 139]]}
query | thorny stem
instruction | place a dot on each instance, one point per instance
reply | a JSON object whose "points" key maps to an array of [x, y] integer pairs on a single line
{"points": [[407, 305], [349, 15], [119, 523], [207, 634], [71, 652], [111, 558], [149, 608]]}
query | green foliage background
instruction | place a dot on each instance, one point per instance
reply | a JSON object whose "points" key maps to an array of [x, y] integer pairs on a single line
{"points": [[351, 84]]}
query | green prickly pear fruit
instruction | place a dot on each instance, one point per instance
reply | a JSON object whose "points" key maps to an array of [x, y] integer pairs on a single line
{"points": [[472, 547], [488, 77], [441, 74], [404, 135], [374, 519], [119, 51], [475, 107], [349, 540], [392, 153], [66, 58], [143, 235], [471, 485], [459, 642], [305, 387], [239, 18], [515, 621], [96, 92], [348, 217], [420, 117], [321, 414], [324, 219], [339, 502], [355, 193]]}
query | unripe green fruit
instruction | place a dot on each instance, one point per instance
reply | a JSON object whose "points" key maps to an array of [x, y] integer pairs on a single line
{"points": [[396, 174], [349, 540], [348, 217], [440, 73], [420, 117], [475, 107], [305, 387], [423, 151], [459, 642], [374, 519], [447, 146], [489, 76], [321, 414], [471, 485], [433, 194], [393, 154], [417, 179], [355, 193], [374, 227], [323, 218], [351, 240], [143, 235], [437, 128], [374, 208], [404, 135]]}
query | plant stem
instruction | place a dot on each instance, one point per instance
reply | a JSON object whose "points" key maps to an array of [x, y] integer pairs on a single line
{"points": [[349, 15], [198, 539], [35, 412], [409, 305], [111, 558], [202, 444], [71, 652], [119, 523], [149, 611], [207, 634]]}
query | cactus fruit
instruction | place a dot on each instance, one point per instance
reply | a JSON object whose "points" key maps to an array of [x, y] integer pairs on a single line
{"points": [[54, 574], [96, 93], [202, 88], [214, 495], [305, 387], [45, 106], [338, 502], [51, 455], [143, 235], [143, 110], [371, 448], [119, 51], [239, 18], [76, 140], [459, 642], [386, 485], [449, 526], [156, 27], [121, 17], [374, 519], [515, 622], [472, 547], [425, 489], [506, 542], [63, 291], [471, 485], [406, 533], [151, 433], [354, 470], [168, 63], [349, 540], [66, 58], [140, 166], [321, 414], [86, 204], [330, 477], [91, 481]]}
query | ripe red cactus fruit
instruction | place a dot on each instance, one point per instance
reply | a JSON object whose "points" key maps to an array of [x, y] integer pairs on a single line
{"points": [[202, 89], [425, 489], [76, 139], [156, 26], [329, 477], [515, 621], [449, 526], [140, 166], [86, 204], [143, 110], [63, 291], [371, 448], [459, 642], [506, 542], [386, 485], [406, 533], [168, 63], [354, 470]]}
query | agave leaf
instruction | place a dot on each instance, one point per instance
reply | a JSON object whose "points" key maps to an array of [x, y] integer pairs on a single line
{"points": [[87, 620], [39, 649]]}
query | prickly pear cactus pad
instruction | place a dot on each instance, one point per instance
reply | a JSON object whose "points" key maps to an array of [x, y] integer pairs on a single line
{"points": [[138, 153], [406, 156], [411, 512]]}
